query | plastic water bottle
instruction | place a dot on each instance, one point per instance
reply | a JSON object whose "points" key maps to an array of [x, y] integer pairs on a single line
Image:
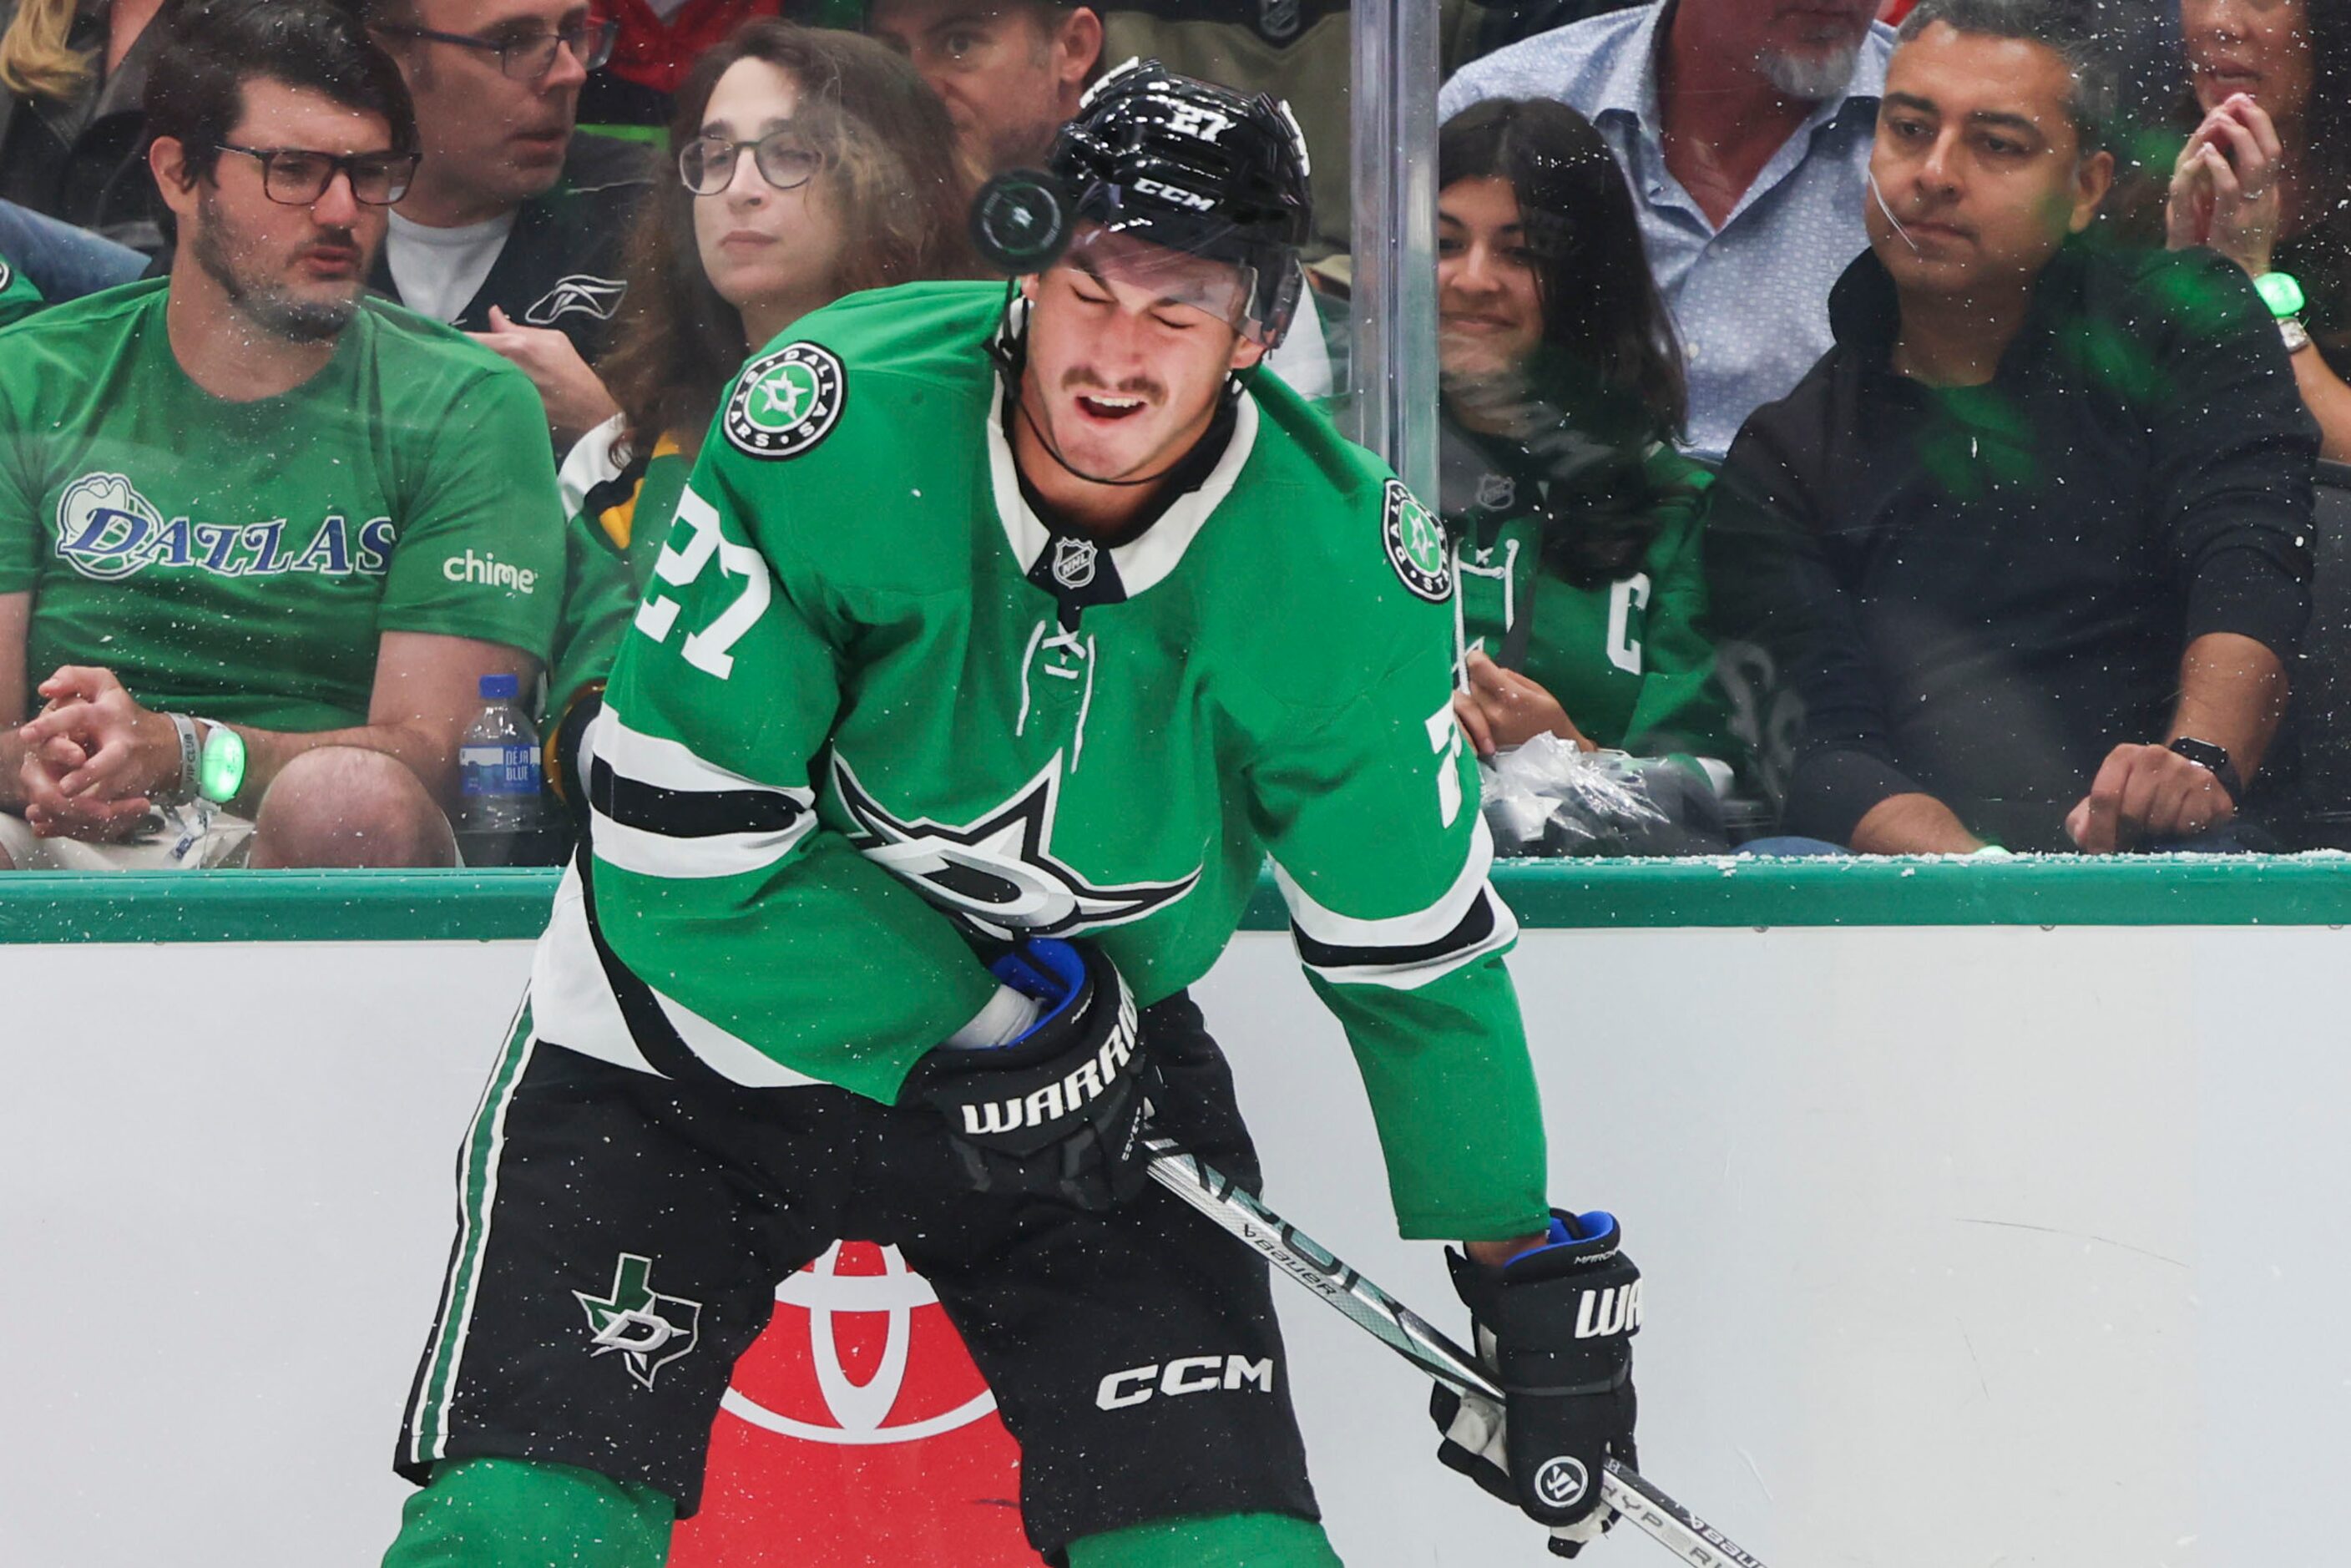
{"points": [[498, 765]]}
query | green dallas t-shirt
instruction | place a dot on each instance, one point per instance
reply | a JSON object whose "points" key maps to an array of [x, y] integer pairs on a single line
{"points": [[243, 559]]}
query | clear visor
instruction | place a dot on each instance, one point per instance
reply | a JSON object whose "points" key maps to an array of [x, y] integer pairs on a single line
{"points": [[1224, 290]]}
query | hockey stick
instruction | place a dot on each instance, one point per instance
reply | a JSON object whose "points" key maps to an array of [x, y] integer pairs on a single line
{"points": [[1413, 1337]]}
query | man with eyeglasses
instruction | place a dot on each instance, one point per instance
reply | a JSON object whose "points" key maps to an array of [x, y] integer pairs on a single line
{"points": [[261, 537], [513, 227]]}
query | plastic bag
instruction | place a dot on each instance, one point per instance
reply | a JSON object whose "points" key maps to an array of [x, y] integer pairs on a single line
{"points": [[1550, 797]]}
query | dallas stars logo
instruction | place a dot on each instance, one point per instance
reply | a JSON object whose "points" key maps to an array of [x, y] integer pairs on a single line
{"points": [[647, 1329], [998, 872], [786, 402], [1415, 545]]}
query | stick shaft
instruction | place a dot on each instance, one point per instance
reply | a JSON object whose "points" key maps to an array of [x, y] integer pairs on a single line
{"points": [[1413, 1337]]}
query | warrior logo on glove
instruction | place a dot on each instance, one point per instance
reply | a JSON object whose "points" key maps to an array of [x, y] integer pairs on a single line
{"points": [[1561, 1481]]}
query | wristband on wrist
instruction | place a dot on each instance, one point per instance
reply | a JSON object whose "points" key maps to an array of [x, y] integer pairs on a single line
{"points": [[2282, 292], [191, 753]]}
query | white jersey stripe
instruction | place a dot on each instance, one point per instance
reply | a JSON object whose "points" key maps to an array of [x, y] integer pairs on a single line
{"points": [[666, 764], [723, 854], [1434, 924], [1410, 975]]}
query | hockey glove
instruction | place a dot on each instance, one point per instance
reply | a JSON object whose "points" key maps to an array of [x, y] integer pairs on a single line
{"points": [[1058, 1111], [1555, 1326]]}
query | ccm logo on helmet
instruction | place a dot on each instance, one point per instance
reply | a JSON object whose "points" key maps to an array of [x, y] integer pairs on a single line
{"points": [[1184, 1375], [1167, 193], [1614, 1311], [1083, 1087]]}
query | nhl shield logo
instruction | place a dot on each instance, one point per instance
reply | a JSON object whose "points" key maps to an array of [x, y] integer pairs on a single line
{"points": [[1496, 492], [646, 1329], [1415, 545], [1073, 561], [787, 401], [1277, 19]]}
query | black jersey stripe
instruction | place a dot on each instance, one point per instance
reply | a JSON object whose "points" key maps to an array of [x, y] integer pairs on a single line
{"points": [[1475, 926], [688, 814]]}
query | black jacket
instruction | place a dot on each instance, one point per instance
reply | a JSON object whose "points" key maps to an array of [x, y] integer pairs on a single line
{"points": [[85, 160], [561, 265], [1978, 593]]}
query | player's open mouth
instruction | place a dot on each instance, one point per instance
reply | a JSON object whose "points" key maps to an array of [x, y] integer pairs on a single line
{"points": [[1103, 407]]}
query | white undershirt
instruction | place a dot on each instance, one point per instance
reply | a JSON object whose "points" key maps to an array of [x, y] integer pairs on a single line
{"points": [[439, 271]]}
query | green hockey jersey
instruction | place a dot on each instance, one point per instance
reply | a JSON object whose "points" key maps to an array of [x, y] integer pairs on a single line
{"points": [[871, 702], [1628, 660]]}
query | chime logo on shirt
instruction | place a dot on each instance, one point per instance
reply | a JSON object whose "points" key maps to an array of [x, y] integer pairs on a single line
{"points": [[107, 531]]}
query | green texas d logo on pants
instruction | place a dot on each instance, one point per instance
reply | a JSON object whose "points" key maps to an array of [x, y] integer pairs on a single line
{"points": [[107, 530], [646, 1329]]}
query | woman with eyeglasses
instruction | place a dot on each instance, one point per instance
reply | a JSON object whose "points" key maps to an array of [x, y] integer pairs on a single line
{"points": [[1574, 521], [807, 164]]}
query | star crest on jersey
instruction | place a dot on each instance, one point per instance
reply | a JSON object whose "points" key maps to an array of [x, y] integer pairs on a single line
{"points": [[646, 1329], [998, 872], [787, 401], [1416, 544]]}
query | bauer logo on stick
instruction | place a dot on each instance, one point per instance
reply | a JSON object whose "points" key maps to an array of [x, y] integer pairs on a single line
{"points": [[786, 402], [1415, 545]]}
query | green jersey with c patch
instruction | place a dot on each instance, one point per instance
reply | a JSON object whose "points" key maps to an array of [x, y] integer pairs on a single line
{"points": [[243, 559], [873, 703]]}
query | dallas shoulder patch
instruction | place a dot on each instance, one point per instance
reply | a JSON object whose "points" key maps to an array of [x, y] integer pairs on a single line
{"points": [[1415, 545], [787, 401]]}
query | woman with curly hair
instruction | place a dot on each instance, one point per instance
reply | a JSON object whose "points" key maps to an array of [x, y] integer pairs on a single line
{"points": [[808, 164]]}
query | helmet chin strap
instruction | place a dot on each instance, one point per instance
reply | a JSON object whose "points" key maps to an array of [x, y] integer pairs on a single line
{"points": [[1011, 356]]}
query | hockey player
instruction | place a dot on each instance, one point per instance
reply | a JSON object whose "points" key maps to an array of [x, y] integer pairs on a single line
{"points": [[996, 643]]}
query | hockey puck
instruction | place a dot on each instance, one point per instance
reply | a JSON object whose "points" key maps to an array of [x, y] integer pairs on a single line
{"points": [[1020, 222]]}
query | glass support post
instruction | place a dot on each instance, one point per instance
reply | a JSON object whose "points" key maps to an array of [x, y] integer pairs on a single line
{"points": [[1394, 268]]}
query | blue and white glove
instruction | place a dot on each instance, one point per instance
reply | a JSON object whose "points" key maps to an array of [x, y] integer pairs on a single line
{"points": [[1555, 1326], [1057, 1110]]}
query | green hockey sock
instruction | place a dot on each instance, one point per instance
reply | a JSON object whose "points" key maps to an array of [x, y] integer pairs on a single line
{"points": [[1224, 1541], [519, 1513]]}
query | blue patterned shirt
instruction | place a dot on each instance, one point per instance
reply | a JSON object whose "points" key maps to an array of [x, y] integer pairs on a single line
{"points": [[1750, 299]]}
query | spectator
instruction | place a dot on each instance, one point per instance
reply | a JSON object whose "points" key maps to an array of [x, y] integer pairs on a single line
{"points": [[654, 44], [1574, 521], [806, 165], [1745, 131], [72, 142], [1010, 71], [2032, 541], [18, 297], [513, 228], [259, 537], [2265, 177]]}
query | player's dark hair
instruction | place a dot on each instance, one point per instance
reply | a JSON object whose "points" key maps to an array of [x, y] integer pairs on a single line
{"points": [[211, 48], [890, 171], [1608, 374], [2062, 26]]}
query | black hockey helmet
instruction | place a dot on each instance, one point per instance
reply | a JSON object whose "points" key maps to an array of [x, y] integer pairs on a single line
{"points": [[1182, 163]]}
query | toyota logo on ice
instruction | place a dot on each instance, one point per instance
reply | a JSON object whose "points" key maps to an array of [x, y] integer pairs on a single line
{"points": [[860, 1411]]}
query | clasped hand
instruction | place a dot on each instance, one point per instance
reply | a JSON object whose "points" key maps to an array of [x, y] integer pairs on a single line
{"points": [[2224, 187], [93, 757]]}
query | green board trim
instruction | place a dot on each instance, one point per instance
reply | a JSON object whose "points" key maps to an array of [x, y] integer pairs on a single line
{"points": [[511, 906]]}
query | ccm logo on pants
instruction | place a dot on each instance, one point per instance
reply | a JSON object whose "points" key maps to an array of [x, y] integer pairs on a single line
{"points": [[1186, 1375]]}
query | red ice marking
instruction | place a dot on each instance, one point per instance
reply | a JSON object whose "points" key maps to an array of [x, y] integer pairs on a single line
{"points": [[858, 1433]]}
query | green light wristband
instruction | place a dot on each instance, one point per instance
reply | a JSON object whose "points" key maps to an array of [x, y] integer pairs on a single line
{"points": [[2282, 292], [221, 774]]}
